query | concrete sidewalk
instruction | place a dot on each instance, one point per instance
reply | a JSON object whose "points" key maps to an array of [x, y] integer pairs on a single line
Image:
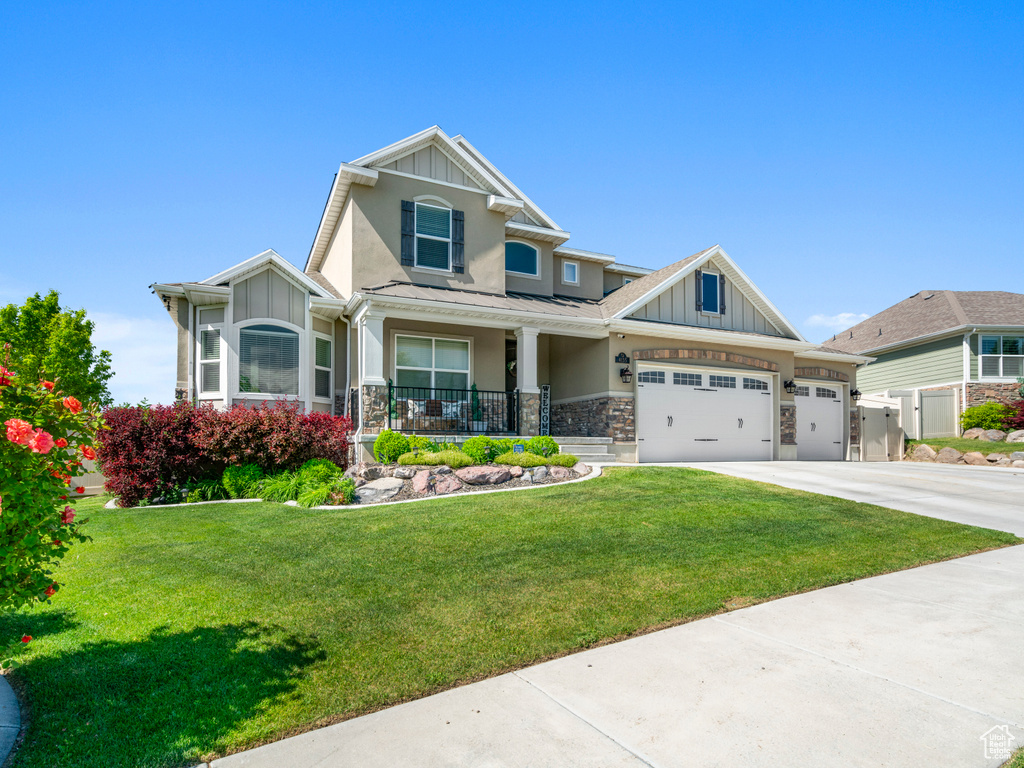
{"points": [[907, 669]]}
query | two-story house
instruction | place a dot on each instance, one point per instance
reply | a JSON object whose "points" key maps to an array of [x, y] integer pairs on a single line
{"points": [[438, 298]]}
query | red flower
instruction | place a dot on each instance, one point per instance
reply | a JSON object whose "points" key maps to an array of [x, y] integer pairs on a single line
{"points": [[88, 452], [79, 489], [63, 498], [48, 385], [41, 442], [5, 376], [18, 431], [60, 442], [26, 638], [67, 515], [56, 542], [72, 404], [50, 591]]}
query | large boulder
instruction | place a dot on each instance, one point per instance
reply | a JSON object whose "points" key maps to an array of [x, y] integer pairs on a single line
{"points": [[949, 456], [974, 433], [560, 473], [447, 484], [367, 471], [1003, 461], [381, 489], [923, 452], [515, 471], [975, 459], [539, 474], [405, 473], [1017, 456], [1019, 464], [484, 475], [581, 469], [994, 457], [421, 481], [992, 436], [1016, 437]]}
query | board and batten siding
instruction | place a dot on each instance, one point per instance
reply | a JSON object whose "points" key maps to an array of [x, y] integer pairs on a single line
{"points": [[269, 295], [431, 163], [935, 362], [679, 305]]}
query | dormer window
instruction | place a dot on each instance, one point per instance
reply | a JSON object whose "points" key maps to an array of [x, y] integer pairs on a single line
{"points": [[570, 273], [433, 237], [522, 259], [710, 293]]}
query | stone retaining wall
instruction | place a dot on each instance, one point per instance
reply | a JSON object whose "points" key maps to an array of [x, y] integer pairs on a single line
{"points": [[612, 417]]}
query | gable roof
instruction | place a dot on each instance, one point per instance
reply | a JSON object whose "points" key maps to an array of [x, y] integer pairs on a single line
{"points": [[629, 298], [260, 260], [931, 313], [505, 196]]}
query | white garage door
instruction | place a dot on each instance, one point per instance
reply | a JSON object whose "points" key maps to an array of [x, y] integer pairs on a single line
{"points": [[819, 423], [690, 415]]}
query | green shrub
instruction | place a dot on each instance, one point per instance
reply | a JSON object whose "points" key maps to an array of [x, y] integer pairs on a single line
{"points": [[542, 445], [389, 446], [421, 443], [563, 460], [481, 448], [524, 459], [284, 486], [987, 416], [318, 471], [454, 459], [206, 490], [242, 481], [345, 491], [504, 445]]}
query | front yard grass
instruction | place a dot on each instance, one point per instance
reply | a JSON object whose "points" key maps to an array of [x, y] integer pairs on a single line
{"points": [[965, 446], [184, 633]]}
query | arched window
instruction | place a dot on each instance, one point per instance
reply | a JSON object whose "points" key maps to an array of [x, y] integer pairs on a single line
{"points": [[268, 360], [522, 259]]}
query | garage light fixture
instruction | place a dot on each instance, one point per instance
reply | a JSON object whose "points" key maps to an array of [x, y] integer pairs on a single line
{"points": [[855, 395], [790, 387], [626, 374]]}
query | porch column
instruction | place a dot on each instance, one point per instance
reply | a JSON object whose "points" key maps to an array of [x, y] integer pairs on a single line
{"points": [[371, 342], [526, 360]]}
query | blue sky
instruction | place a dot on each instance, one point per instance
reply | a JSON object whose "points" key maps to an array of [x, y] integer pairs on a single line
{"points": [[846, 155]]}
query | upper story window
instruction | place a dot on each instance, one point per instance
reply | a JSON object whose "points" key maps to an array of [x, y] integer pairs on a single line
{"points": [[433, 237], [522, 259], [268, 360], [570, 273], [1002, 357], [709, 288]]}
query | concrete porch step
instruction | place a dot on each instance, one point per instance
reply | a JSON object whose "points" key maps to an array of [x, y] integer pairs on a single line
{"points": [[593, 458], [567, 440]]}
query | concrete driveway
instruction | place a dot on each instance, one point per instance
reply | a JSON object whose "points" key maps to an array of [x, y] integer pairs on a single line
{"points": [[991, 497], [907, 669]]}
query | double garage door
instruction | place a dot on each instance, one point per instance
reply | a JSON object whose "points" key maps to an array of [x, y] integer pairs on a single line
{"points": [[694, 415]]}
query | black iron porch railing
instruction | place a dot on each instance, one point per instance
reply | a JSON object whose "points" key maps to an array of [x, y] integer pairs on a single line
{"points": [[453, 411]]}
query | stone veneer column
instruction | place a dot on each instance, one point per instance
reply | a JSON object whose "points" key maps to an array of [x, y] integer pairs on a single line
{"points": [[374, 416], [854, 425], [787, 423], [529, 413]]}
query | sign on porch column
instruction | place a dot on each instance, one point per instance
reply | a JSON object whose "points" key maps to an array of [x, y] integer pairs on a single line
{"points": [[545, 409]]}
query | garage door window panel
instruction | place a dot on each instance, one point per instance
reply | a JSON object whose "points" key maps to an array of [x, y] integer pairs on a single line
{"points": [[651, 377], [722, 382]]}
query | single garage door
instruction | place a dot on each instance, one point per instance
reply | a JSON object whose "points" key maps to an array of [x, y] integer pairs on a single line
{"points": [[701, 415], [819, 423]]}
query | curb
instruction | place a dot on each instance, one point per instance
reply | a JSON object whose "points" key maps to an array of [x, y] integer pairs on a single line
{"points": [[10, 719]]}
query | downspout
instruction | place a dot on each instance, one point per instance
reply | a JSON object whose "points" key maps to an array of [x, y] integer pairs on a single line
{"points": [[348, 362], [191, 392], [967, 369]]}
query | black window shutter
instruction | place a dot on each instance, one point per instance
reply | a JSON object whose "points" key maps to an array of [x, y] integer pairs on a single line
{"points": [[700, 291], [408, 233], [458, 241], [721, 295]]}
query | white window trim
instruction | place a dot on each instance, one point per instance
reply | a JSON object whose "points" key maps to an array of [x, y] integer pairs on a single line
{"points": [[420, 335], [304, 373], [718, 293], [526, 275], [416, 239], [330, 368], [566, 263], [1001, 377], [222, 360]]}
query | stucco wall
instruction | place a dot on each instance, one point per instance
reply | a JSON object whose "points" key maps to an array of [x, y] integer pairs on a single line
{"points": [[591, 279], [540, 285]]}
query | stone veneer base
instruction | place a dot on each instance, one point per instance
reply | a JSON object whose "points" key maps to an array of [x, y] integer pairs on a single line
{"points": [[606, 416]]}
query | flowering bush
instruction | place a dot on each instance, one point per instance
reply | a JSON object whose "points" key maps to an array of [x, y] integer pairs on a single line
{"points": [[43, 440], [1015, 417]]}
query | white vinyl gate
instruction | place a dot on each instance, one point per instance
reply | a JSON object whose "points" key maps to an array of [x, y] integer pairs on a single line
{"points": [[703, 415], [819, 423]]}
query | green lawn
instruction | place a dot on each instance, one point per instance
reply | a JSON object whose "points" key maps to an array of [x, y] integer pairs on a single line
{"points": [[189, 632], [967, 445]]}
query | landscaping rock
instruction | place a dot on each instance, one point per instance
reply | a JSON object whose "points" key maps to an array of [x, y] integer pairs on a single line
{"points": [[923, 452], [444, 469], [447, 484], [992, 436], [1017, 456], [560, 473], [974, 433], [949, 456], [975, 459], [540, 473], [1016, 437], [1019, 463], [1003, 461], [994, 457], [379, 490], [483, 475], [367, 471], [404, 473], [421, 481], [581, 469], [515, 471]]}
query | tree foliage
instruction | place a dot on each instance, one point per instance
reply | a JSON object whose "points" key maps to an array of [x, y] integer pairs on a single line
{"points": [[51, 343]]}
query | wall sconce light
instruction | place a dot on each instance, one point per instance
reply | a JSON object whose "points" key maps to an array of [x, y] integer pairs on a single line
{"points": [[790, 387], [855, 395], [626, 374]]}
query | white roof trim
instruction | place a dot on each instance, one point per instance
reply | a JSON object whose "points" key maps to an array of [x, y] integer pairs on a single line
{"points": [[576, 253], [557, 236], [269, 256], [626, 269], [738, 277], [711, 335], [954, 331], [506, 205], [836, 357]]}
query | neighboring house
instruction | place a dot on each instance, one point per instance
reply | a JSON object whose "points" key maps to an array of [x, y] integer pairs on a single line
{"points": [[438, 298], [941, 352]]}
